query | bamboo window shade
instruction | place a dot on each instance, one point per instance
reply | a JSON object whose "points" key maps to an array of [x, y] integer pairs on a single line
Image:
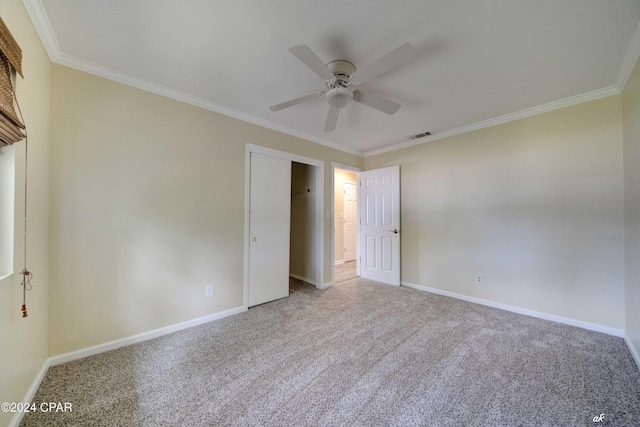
{"points": [[11, 128]]}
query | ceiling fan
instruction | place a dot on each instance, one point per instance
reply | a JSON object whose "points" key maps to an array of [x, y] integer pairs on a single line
{"points": [[340, 75]]}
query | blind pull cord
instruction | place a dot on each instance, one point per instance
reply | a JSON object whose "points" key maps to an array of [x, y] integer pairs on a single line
{"points": [[26, 274]]}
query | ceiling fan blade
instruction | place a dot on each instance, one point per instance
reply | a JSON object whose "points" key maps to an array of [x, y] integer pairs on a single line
{"points": [[396, 58], [311, 60], [296, 101], [377, 102], [332, 119]]}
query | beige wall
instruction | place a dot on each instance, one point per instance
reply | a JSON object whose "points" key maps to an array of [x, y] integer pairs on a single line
{"points": [[341, 176], [147, 207], [535, 205], [631, 105], [23, 341]]}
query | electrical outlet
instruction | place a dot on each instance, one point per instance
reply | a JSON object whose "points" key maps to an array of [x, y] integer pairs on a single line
{"points": [[479, 279], [208, 291]]}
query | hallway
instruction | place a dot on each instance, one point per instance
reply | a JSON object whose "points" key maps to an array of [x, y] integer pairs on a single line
{"points": [[344, 271]]}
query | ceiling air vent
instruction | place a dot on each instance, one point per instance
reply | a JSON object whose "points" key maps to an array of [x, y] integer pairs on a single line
{"points": [[421, 135]]}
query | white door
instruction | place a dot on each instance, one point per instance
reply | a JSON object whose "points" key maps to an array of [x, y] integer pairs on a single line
{"points": [[350, 218], [269, 226], [380, 225]]}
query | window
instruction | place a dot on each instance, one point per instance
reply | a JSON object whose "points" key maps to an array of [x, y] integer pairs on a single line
{"points": [[7, 201], [11, 130]]}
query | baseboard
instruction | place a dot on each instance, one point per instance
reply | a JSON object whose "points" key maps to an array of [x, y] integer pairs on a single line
{"points": [[304, 279], [338, 262], [31, 392], [632, 349], [539, 314], [325, 285], [112, 345]]}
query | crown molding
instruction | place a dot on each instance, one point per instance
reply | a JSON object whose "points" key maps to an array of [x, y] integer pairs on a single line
{"points": [[147, 86], [629, 61], [38, 16], [43, 27], [544, 108]]}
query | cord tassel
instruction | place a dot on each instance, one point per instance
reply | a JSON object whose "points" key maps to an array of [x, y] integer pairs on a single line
{"points": [[26, 286]]}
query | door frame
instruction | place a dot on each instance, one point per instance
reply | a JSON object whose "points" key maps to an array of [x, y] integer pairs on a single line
{"points": [[341, 166], [319, 202]]}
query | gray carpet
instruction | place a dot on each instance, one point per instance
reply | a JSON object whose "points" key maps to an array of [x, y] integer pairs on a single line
{"points": [[357, 354]]}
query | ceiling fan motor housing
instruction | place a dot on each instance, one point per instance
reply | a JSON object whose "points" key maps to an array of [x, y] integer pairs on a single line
{"points": [[338, 95], [342, 70]]}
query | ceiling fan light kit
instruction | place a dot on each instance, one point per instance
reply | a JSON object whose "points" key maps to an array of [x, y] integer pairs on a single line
{"points": [[339, 75], [339, 97]]}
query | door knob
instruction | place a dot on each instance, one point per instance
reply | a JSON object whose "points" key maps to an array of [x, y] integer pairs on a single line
{"points": [[395, 231]]}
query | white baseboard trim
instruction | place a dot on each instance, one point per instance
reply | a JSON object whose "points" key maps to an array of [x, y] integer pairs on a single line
{"points": [[338, 262], [304, 279], [325, 285], [112, 345], [539, 314], [31, 392], [632, 349]]}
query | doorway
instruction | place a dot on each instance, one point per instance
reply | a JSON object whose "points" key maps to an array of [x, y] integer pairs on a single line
{"points": [[302, 237], [261, 225], [345, 224]]}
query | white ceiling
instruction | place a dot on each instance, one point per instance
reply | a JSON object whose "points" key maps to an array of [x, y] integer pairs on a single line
{"points": [[480, 62]]}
